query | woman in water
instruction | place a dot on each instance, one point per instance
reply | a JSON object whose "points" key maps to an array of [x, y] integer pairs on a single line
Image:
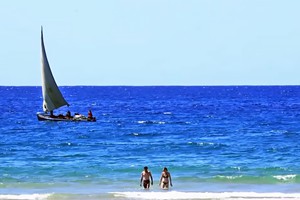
{"points": [[164, 179]]}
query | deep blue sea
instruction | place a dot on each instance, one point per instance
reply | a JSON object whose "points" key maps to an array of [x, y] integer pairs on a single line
{"points": [[223, 142]]}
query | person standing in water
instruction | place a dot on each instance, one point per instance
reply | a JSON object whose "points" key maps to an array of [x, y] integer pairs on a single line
{"points": [[165, 179], [145, 178]]}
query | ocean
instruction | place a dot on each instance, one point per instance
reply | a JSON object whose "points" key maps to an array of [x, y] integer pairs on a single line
{"points": [[218, 142]]}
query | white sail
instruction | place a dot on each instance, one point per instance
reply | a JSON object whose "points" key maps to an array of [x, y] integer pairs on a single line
{"points": [[52, 96]]}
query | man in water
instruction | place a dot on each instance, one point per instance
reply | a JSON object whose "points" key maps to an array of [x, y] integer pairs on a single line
{"points": [[145, 178]]}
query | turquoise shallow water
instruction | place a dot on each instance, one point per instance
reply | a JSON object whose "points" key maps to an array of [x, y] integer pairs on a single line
{"points": [[241, 141]]}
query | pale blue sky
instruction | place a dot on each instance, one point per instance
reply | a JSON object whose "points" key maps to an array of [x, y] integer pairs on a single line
{"points": [[152, 42]]}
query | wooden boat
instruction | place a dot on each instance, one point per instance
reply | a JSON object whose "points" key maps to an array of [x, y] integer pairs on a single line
{"points": [[75, 118], [52, 97]]}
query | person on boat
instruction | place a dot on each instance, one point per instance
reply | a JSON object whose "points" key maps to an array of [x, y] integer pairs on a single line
{"points": [[90, 115], [165, 179], [145, 178], [51, 113], [68, 115]]}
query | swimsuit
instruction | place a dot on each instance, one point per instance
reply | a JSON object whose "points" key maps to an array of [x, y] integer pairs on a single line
{"points": [[146, 181], [165, 180]]}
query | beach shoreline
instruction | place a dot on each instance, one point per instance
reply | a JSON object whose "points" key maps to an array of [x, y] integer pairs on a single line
{"points": [[199, 191]]}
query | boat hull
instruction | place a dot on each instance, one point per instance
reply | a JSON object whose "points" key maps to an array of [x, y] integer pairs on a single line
{"points": [[47, 117]]}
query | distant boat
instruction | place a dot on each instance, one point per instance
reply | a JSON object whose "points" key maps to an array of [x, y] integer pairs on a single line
{"points": [[52, 97]]}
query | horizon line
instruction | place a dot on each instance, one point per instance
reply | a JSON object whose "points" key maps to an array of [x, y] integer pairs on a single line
{"points": [[217, 85]]}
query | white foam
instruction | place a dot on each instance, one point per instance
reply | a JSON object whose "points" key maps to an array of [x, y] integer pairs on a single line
{"points": [[167, 113], [285, 177], [24, 196], [230, 177], [206, 195]]}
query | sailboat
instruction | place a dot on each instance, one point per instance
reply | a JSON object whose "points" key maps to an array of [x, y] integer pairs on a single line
{"points": [[52, 97]]}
